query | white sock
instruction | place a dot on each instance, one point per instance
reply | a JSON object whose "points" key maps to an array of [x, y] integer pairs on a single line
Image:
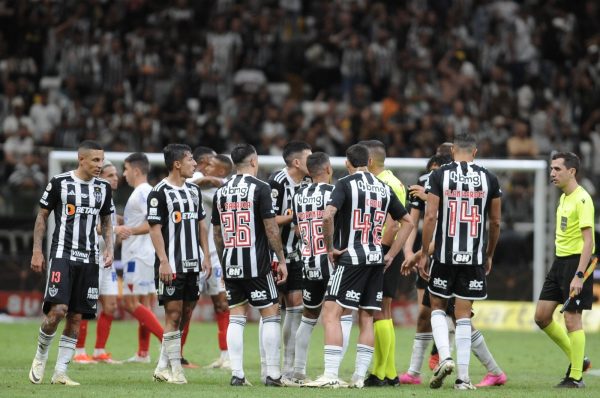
{"points": [[272, 341], [79, 351], [44, 342], [420, 345], [163, 358], [66, 349], [261, 350], [346, 321], [439, 328], [293, 315], [99, 351], [333, 358], [224, 355], [451, 332], [235, 344], [364, 354], [482, 353], [172, 344], [463, 347], [302, 340]]}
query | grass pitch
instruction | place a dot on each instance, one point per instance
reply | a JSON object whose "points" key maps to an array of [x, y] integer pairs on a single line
{"points": [[533, 365]]}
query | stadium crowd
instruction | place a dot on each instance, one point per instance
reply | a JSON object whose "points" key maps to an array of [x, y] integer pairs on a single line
{"points": [[524, 77]]}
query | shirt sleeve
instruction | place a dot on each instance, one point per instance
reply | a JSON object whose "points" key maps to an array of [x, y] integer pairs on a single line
{"points": [[294, 210], [277, 194], [157, 212], [108, 207], [396, 209], [433, 184], [201, 212], [265, 204], [585, 209], [495, 191], [215, 218], [338, 195], [51, 195]]}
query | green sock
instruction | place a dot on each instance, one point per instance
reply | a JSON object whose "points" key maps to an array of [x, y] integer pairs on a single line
{"points": [[382, 346], [577, 339], [558, 334], [390, 369]]}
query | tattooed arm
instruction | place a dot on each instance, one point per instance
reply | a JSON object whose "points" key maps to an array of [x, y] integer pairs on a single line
{"points": [[272, 230], [39, 230], [106, 228]]}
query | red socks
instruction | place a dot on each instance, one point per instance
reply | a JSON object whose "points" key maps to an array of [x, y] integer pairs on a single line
{"points": [[82, 334], [147, 319], [103, 329], [143, 340], [222, 324], [184, 334]]}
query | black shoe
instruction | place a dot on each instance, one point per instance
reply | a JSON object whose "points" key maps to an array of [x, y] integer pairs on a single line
{"points": [[569, 382], [184, 361], [587, 364], [395, 382], [270, 382], [239, 382], [374, 381]]}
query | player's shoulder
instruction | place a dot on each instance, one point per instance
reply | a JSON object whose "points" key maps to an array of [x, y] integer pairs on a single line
{"points": [[62, 176], [161, 186], [191, 186], [278, 177], [101, 181], [584, 196]]}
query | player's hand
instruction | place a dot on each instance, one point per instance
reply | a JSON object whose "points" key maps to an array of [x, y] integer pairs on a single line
{"points": [[334, 255], [108, 258], [207, 266], [282, 273], [417, 191], [165, 273], [422, 263], [408, 265], [37, 261], [214, 181], [123, 232], [488, 266], [387, 261], [576, 286]]}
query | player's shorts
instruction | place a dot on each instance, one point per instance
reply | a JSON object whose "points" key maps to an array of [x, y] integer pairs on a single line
{"points": [[463, 281], [74, 284], [107, 283], [184, 287], [138, 278], [260, 292], [313, 292], [558, 284], [214, 284], [295, 269], [420, 282], [356, 287], [392, 274]]}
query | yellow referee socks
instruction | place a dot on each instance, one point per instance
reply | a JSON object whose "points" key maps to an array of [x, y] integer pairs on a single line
{"points": [[558, 334], [382, 348], [577, 339], [390, 369]]}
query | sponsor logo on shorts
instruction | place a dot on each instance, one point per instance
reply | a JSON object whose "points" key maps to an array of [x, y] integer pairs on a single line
{"points": [[475, 285], [235, 272], [52, 291], [306, 295], [228, 294], [461, 258], [170, 290], [379, 296], [258, 295], [351, 295], [80, 254], [92, 293], [440, 283]]}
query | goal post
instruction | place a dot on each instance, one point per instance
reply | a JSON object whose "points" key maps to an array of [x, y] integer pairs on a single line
{"points": [[58, 159]]}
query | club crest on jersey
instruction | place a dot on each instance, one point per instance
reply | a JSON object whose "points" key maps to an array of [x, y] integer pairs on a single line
{"points": [[170, 290], [469, 178], [98, 194], [52, 291]]}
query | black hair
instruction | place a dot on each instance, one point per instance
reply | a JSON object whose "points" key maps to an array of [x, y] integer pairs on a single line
{"points": [[201, 151], [316, 162], [438, 160], [240, 153], [570, 159], [140, 161], [293, 148], [225, 160], [175, 152], [445, 149], [465, 141], [358, 155], [89, 144]]}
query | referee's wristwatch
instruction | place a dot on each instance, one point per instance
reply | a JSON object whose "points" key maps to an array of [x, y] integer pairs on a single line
{"points": [[579, 274]]}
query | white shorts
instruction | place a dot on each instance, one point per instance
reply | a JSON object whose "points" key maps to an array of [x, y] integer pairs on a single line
{"points": [[138, 278], [215, 284], [107, 282]]}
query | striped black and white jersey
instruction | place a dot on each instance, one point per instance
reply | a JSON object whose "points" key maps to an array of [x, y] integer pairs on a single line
{"points": [[309, 205], [76, 205], [414, 202], [240, 207], [465, 191], [363, 202], [283, 188], [179, 211]]}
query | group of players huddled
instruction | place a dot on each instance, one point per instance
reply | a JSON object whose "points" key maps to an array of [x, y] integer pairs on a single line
{"points": [[295, 242]]}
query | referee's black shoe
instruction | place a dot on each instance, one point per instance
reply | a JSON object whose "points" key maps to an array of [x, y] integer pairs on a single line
{"points": [[395, 382], [587, 364], [374, 381], [569, 382], [239, 381], [271, 382]]}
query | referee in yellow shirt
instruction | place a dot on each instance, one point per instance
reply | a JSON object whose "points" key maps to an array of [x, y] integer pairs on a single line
{"points": [[574, 247], [384, 359]]}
